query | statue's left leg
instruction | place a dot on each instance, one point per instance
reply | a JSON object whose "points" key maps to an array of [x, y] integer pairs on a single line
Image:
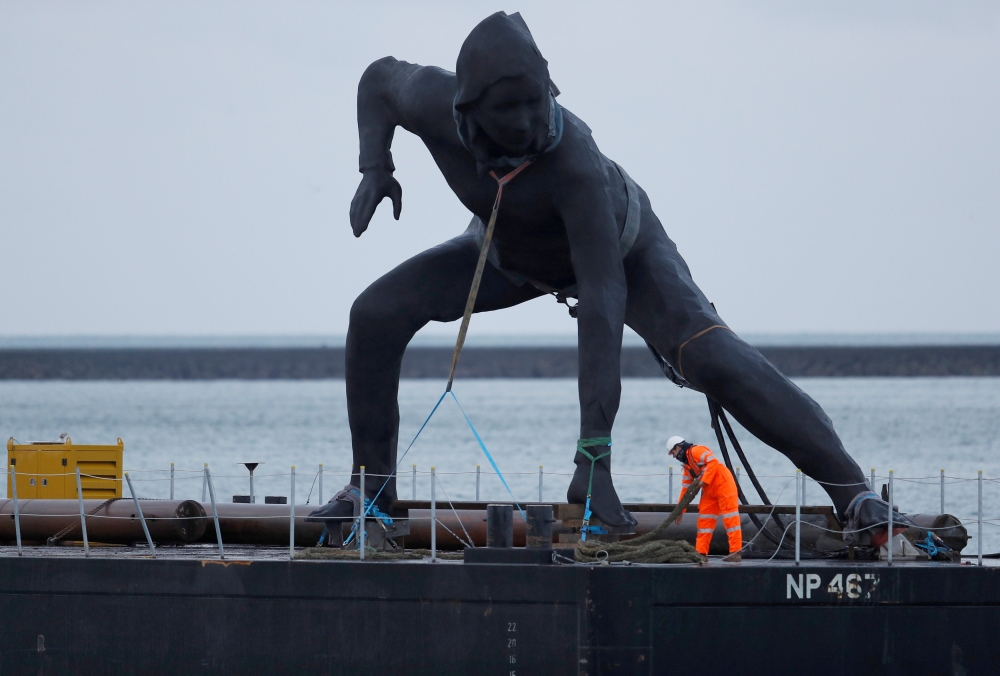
{"points": [[667, 308], [773, 409]]}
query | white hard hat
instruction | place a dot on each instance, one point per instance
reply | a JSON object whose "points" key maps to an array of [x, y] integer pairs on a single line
{"points": [[673, 441]]}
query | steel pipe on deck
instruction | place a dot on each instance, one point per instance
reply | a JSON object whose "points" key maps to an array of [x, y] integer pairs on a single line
{"points": [[255, 524], [115, 522], [816, 530]]}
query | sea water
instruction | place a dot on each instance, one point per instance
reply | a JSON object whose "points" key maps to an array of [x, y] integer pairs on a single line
{"points": [[913, 426]]}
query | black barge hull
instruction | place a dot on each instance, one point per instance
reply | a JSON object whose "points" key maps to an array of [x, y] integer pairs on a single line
{"points": [[126, 616]]}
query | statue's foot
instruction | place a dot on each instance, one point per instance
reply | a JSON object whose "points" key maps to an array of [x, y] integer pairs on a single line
{"points": [[604, 502], [869, 512], [341, 510], [333, 514]]}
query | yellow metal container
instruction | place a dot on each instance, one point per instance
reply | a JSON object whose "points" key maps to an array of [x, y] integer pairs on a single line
{"points": [[47, 470]]}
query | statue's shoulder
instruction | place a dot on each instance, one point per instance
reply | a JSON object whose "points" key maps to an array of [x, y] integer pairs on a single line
{"points": [[571, 120], [390, 71]]}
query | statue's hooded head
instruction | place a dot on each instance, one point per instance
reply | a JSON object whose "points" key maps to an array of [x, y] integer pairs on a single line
{"points": [[505, 107]]}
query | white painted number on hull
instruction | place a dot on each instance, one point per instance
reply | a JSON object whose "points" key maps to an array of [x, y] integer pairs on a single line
{"points": [[851, 585]]}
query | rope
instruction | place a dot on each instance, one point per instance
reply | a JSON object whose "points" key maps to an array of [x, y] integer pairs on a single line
{"points": [[581, 447], [647, 548], [487, 454], [680, 368], [480, 265], [460, 342]]}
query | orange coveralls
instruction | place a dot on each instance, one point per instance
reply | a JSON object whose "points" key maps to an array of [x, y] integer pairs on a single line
{"points": [[718, 496]]}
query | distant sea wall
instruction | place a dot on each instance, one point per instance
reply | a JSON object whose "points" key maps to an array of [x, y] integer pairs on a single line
{"points": [[477, 362]]}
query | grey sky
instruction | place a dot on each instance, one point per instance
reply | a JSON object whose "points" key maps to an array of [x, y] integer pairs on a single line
{"points": [[186, 168]]}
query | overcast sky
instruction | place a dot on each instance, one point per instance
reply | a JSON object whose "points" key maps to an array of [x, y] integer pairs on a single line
{"points": [[186, 168]]}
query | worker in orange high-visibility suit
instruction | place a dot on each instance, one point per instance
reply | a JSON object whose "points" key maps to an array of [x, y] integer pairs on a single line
{"points": [[718, 495]]}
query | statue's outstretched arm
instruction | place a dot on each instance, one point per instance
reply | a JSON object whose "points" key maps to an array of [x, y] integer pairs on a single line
{"points": [[395, 93], [593, 237]]}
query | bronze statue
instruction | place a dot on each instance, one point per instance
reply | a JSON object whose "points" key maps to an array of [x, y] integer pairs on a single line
{"points": [[573, 224]]}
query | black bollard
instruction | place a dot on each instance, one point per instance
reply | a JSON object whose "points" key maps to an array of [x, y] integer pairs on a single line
{"points": [[500, 526], [539, 535]]}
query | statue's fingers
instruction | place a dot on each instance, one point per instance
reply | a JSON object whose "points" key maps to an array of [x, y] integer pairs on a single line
{"points": [[362, 209], [396, 194]]}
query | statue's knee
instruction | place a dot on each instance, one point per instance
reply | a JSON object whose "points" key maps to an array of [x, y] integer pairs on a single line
{"points": [[369, 312]]}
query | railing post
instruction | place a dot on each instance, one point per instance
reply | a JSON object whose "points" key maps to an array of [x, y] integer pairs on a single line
{"points": [[291, 518], [889, 541], [434, 542], [142, 519], [171, 481], [477, 483], [979, 519], [321, 484], [805, 480], [798, 515], [83, 517], [17, 511], [361, 518], [873, 480], [204, 486], [738, 472], [540, 472], [215, 511], [670, 484], [414, 482], [942, 492]]}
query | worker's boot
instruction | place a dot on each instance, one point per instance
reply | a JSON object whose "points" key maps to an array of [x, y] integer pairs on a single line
{"points": [[604, 502], [735, 557]]}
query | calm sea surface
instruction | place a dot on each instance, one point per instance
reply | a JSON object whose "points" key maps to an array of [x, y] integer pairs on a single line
{"points": [[914, 426]]}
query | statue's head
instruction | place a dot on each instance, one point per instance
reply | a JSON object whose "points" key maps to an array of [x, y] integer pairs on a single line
{"points": [[505, 107]]}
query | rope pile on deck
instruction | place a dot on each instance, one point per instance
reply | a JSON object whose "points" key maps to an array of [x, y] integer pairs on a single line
{"points": [[646, 548]]}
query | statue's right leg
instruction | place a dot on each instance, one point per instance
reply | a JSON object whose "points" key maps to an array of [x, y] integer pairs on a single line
{"points": [[431, 286]]}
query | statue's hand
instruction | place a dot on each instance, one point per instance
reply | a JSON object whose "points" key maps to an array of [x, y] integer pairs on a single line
{"points": [[376, 185]]}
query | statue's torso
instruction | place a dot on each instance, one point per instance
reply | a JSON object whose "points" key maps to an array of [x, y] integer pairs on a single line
{"points": [[530, 235]]}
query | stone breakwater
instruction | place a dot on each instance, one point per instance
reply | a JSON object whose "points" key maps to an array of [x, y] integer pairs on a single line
{"points": [[477, 362]]}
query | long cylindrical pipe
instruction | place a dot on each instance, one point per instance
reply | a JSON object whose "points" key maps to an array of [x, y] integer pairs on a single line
{"points": [[268, 525], [117, 523], [813, 533]]}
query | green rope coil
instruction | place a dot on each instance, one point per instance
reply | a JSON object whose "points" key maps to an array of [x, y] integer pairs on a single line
{"points": [[581, 444]]}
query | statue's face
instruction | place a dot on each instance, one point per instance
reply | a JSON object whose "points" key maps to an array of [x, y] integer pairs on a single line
{"points": [[514, 113]]}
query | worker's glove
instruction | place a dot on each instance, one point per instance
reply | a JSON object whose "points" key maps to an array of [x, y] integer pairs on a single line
{"points": [[678, 519]]}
